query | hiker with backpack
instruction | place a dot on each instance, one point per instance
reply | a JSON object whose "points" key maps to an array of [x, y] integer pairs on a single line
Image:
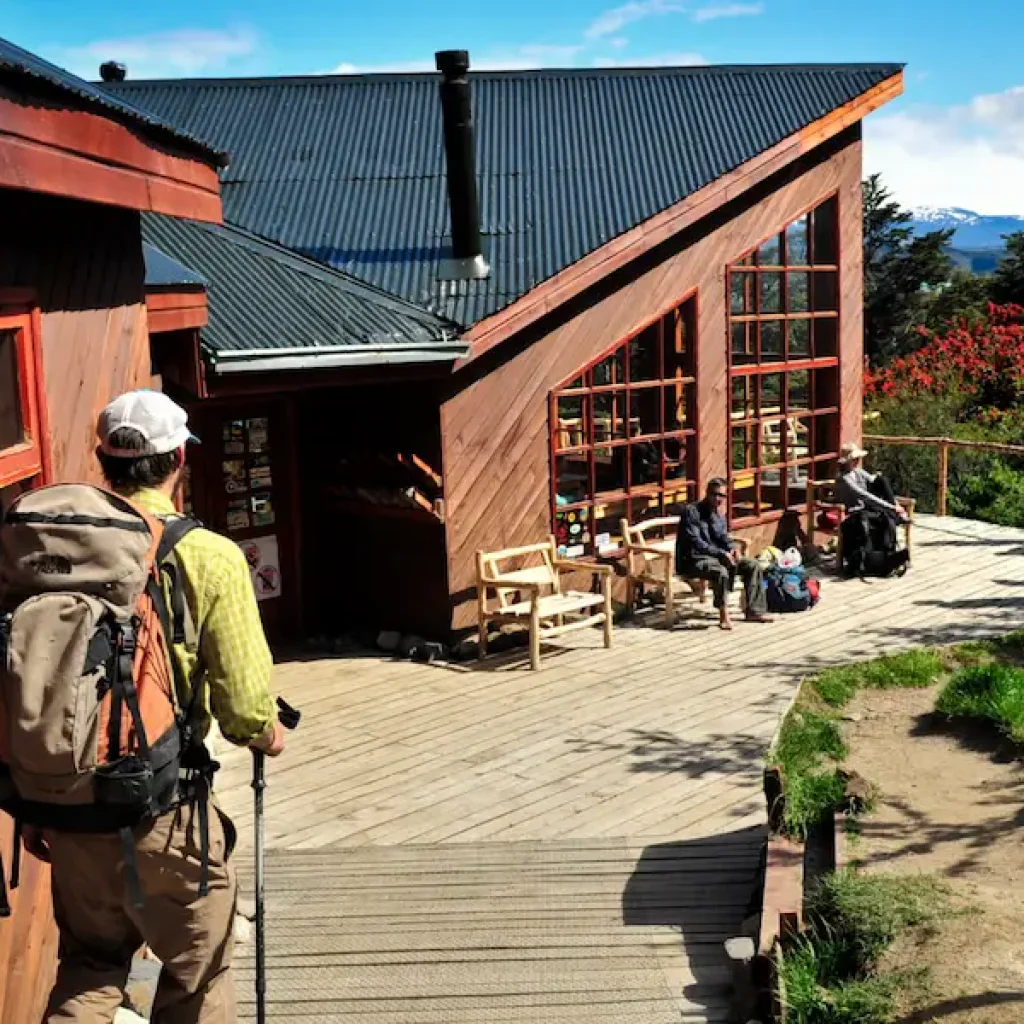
{"points": [[869, 530], [704, 550], [125, 629]]}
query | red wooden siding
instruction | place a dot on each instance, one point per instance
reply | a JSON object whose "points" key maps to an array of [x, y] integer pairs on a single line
{"points": [[82, 155], [81, 265], [495, 427]]}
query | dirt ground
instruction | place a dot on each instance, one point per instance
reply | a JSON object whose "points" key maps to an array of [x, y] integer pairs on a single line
{"points": [[951, 804]]}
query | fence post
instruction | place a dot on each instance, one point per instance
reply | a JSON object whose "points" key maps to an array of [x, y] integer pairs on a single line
{"points": [[943, 476]]}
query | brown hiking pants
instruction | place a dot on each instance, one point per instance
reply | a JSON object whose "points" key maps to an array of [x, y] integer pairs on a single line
{"points": [[100, 930]]}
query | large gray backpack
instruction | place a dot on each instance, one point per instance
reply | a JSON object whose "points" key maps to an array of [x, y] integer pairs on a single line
{"points": [[91, 735]]}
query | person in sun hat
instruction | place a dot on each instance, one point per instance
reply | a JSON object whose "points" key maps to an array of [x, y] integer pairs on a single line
{"points": [[858, 489], [143, 436]]}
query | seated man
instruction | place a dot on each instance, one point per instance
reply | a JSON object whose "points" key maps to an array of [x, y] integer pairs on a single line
{"points": [[858, 489], [704, 550]]}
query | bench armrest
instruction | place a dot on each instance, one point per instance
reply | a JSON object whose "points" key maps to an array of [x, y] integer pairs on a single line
{"points": [[569, 566], [507, 584], [643, 549]]}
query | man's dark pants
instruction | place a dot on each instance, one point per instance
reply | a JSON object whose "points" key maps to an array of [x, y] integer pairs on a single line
{"points": [[722, 575]]}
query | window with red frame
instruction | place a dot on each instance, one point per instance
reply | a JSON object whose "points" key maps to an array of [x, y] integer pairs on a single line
{"points": [[783, 302], [22, 456], [623, 435]]}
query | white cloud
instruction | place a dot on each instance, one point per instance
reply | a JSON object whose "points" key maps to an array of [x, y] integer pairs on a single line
{"points": [[970, 155], [163, 54], [396, 68], [522, 58], [618, 43], [654, 60], [712, 12], [616, 19]]}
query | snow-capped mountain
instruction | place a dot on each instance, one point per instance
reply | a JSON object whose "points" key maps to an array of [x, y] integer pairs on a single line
{"points": [[972, 230]]}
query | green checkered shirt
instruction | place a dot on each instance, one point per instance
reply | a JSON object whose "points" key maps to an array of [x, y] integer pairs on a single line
{"points": [[232, 655]]}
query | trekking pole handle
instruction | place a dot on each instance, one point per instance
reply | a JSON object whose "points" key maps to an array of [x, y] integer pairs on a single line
{"points": [[288, 716]]}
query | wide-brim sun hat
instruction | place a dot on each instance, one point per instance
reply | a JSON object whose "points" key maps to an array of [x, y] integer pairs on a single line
{"points": [[850, 451]]}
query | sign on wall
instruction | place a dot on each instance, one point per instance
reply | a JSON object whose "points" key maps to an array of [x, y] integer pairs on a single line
{"points": [[261, 554]]}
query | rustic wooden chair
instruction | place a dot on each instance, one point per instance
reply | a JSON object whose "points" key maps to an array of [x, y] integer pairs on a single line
{"points": [[546, 606], [651, 561], [821, 497]]}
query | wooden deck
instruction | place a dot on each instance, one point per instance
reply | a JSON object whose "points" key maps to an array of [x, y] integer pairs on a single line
{"points": [[484, 843]]}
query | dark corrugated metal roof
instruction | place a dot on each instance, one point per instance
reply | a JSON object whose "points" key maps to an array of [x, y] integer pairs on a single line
{"points": [[263, 298], [350, 170], [163, 272], [21, 62]]}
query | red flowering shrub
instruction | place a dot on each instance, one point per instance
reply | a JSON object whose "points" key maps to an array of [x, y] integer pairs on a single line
{"points": [[983, 361]]}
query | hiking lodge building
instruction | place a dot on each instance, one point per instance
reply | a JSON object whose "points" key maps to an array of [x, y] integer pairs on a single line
{"points": [[416, 334], [655, 278]]}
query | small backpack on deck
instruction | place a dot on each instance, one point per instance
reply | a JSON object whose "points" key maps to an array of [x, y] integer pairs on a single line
{"points": [[790, 589], [91, 735]]}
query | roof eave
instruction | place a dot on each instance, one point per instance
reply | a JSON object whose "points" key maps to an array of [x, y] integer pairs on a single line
{"points": [[231, 362]]}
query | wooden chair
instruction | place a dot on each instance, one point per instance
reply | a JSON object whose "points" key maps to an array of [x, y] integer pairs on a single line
{"points": [[821, 497], [547, 605], [652, 561]]}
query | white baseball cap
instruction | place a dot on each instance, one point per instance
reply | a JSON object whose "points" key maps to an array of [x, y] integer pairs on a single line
{"points": [[162, 423]]}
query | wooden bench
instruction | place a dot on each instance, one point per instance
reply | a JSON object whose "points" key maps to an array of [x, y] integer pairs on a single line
{"points": [[821, 497], [651, 561], [546, 605]]}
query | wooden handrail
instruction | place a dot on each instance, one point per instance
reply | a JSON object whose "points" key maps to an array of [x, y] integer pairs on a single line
{"points": [[944, 444], [949, 442]]}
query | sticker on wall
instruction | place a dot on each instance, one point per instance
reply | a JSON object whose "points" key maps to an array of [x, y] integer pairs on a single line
{"points": [[258, 434], [238, 515], [234, 437], [262, 510], [259, 472], [261, 555], [234, 476], [603, 540]]}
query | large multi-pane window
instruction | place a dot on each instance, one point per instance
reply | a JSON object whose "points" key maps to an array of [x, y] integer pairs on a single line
{"points": [[783, 303], [623, 436]]}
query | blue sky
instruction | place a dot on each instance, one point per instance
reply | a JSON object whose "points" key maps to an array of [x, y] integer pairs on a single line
{"points": [[956, 138]]}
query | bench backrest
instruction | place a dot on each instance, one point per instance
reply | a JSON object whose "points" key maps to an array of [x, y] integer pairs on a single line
{"points": [[531, 563], [635, 536]]}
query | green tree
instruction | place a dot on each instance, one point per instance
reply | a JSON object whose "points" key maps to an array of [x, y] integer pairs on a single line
{"points": [[1008, 279], [967, 297], [900, 267]]}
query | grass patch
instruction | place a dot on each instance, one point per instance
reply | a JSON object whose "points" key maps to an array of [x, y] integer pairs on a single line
{"points": [[807, 751], [992, 692], [917, 669], [983, 679], [831, 975]]}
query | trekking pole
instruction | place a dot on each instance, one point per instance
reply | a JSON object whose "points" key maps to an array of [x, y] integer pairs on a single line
{"points": [[289, 718]]}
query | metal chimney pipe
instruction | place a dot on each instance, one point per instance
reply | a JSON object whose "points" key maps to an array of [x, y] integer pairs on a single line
{"points": [[111, 71], [456, 108]]}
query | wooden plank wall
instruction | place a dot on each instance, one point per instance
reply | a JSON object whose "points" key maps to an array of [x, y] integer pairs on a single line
{"points": [[85, 264], [495, 422]]}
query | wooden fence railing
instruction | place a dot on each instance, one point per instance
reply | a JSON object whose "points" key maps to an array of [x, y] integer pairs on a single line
{"points": [[944, 444]]}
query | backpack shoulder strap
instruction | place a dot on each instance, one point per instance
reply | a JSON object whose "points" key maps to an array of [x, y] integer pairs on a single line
{"points": [[176, 529]]}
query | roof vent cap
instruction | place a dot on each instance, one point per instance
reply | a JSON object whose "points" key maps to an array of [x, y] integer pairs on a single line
{"points": [[111, 71]]}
